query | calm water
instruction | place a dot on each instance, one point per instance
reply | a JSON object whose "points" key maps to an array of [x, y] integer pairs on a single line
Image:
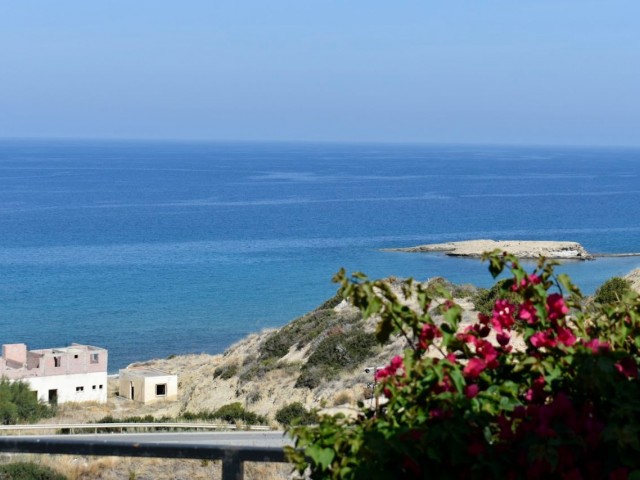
{"points": [[151, 249]]}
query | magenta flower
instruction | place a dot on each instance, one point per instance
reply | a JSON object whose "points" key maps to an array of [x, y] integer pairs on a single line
{"points": [[527, 312], [556, 307], [543, 339], [474, 367], [566, 336], [597, 346], [627, 366], [503, 313], [471, 391]]}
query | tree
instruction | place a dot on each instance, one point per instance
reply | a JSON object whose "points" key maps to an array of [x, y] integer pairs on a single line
{"points": [[612, 290], [19, 404]]}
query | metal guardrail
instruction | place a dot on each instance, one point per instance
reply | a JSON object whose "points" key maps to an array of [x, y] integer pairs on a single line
{"points": [[122, 426], [233, 457]]}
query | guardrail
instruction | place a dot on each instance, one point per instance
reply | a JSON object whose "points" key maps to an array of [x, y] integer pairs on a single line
{"points": [[123, 426], [232, 457]]}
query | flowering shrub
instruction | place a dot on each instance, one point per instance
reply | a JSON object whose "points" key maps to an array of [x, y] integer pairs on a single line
{"points": [[539, 388]]}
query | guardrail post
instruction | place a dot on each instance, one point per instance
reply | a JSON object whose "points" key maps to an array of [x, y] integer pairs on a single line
{"points": [[232, 466]]}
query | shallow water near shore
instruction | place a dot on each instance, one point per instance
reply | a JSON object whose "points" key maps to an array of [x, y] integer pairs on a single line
{"points": [[158, 248]]}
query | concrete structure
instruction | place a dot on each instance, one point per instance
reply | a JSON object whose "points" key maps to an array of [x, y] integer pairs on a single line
{"points": [[148, 385], [77, 373]]}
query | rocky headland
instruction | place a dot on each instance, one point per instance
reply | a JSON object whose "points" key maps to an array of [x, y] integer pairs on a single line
{"points": [[520, 248]]}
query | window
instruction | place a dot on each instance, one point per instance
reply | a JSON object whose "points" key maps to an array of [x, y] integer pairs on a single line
{"points": [[100, 387], [75, 356], [93, 388], [79, 389], [161, 390], [57, 361], [94, 358]]}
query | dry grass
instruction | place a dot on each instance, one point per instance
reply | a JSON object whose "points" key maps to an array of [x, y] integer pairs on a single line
{"points": [[117, 468]]}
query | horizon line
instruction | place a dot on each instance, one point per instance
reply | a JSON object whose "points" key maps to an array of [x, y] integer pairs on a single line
{"points": [[203, 140]]}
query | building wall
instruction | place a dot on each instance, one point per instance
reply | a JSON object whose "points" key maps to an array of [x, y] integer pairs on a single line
{"points": [[16, 352], [171, 382], [144, 387], [71, 388], [72, 362], [125, 383]]}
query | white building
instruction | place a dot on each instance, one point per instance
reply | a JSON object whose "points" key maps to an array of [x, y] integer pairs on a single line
{"points": [[148, 385], [77, 373]]}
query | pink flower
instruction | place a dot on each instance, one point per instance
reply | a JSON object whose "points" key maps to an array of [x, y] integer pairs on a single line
{"points": [[451, 357], [471, 391], [396, 363], [566, 336], [488, 353], [527, 312], [543, 339], [532, 279], [381, 373], [428, 333], [503, 338], [535, 393], [627, 366], [474, 367], [556, 307], [503, 313], [597, 346]]}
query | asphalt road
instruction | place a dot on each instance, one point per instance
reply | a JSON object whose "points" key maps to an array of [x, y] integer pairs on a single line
{"points": [[247, 439]]}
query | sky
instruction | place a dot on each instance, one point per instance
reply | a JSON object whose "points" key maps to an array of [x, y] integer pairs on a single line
{"points": [[439, 71]]}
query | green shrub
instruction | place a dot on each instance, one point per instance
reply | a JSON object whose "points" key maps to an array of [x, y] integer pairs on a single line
{"points": [[28, 471], [258, 369], [295, 414], [338, 352], [484, 300], [612, 290], [461, 402], [276, 345], [310, 377], [343, 350], [234, 412], [225, 372], [19, 404], [331, 303], [305, 329]]}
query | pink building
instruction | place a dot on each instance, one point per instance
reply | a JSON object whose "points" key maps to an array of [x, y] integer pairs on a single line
{"points": [[77, 373]]}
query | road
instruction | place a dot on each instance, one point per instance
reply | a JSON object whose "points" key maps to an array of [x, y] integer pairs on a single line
{"points": [[246, 439]]}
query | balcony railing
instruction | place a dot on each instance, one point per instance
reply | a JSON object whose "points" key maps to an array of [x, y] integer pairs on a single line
{"points": [[232, 457]]}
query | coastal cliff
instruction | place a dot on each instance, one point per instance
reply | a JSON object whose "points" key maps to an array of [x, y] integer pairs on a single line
{"points": [[519, 248]]}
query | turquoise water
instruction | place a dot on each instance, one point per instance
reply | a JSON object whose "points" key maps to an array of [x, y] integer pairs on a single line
{"points": [[158, 248]]}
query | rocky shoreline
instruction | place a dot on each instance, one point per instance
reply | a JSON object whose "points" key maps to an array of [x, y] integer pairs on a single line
{"points": [[519, 248]]}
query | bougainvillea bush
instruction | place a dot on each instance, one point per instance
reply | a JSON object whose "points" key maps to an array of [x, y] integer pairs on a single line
{"points": [[463, 402]]}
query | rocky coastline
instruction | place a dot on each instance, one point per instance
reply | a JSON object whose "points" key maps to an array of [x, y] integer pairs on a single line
{"points": [[520, 248]]}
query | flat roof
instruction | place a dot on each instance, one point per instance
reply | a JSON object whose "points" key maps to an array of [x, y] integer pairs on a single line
{"points": [[146, 372]]}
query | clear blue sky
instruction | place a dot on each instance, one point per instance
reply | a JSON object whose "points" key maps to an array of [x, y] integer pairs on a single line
{"points": [[489, 71]]}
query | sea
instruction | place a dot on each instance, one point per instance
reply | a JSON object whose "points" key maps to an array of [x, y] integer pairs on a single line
{"points": [[159, 248]]}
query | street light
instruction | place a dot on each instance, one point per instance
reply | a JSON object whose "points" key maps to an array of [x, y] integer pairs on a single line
{"points": [[373, 370]]}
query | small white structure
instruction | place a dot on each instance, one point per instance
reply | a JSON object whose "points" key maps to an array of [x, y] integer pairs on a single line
{"points": [[77, 373], [148, 385]]}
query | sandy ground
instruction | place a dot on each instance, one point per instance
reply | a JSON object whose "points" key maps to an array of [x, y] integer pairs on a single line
{"points": [[519, 248]]}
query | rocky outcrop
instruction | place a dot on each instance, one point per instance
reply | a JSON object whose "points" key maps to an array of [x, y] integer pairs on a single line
{"points": [[634, 278], [519, 248]]}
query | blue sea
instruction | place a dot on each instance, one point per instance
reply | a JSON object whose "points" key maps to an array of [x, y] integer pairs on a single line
{"points": [[158, 248]]}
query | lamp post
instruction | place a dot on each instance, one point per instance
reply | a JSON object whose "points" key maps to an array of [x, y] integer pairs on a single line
{"points": [[373, 370]]}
